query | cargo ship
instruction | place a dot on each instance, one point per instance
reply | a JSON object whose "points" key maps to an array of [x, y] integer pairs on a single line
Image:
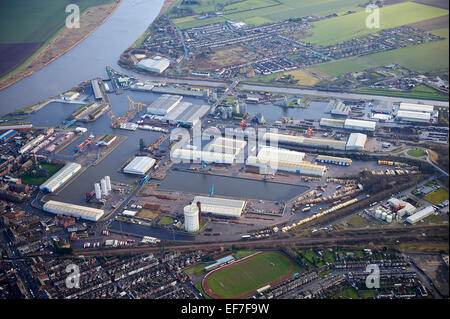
{"points": [[81, 147]]}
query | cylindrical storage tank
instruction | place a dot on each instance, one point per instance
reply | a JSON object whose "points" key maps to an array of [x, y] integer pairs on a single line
{"points": [[108, 183], [191, 218], [389, 218], [383, 216], [378, 214], [104, 188], [98, 192]]}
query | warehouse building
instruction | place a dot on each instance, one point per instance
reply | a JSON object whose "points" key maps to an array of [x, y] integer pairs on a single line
{"points": [[17, 127], [222, 207], [334, 160], [305, 141], [226, 145], [360, 125], [196, 156], [31, 144], [339, 108], [356, 142], [164, 104], [411, 116], [96, 88], [6, 136], [187, 114], [60, 177], [416, 107], [420, 215], [300, 168], [156, 65], [332, 123], [178, 91], [139, 165], [76, 211]]}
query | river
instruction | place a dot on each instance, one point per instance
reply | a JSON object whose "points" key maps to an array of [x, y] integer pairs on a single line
{"points": [[88, 59]]}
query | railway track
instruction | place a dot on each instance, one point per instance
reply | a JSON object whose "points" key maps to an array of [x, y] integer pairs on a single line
{"points": [[432, 234]]}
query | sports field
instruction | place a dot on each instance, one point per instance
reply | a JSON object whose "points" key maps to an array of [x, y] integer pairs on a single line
{"points": [[426, 57], [346, 27], [241, 279]]}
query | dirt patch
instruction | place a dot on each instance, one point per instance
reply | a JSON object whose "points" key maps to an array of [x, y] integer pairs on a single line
{"points": [[317, 73], [432, 24], [64, 41], [435, 268], [227, 56], [13, 55]]}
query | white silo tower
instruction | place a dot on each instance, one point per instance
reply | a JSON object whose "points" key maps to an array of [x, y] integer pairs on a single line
{"points": [[98, 192], [191, 218], [104, 188], [108, 183]]}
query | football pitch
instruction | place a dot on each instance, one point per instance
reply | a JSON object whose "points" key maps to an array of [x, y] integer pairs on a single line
{"points": [[242, 278]]}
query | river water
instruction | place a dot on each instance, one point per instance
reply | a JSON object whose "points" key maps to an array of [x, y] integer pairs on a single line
{"points": [[88, 59]]}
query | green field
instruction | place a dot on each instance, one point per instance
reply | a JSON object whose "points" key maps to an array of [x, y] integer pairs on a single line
{"points": [[248, 275], [38, 180], [437, 197], [36, 21], [342, 28], [416, 153], [425, 57], [265, 11], [166, 221], [441, 32]]}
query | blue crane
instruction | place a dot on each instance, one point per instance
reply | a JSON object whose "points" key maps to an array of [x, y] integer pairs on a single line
{"points": [[211, 191]]}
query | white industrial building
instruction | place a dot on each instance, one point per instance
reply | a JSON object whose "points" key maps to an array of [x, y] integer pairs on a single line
{"points": [[226, 145], [420, 215], [360, 125], [271, 159], [304, 141], [60, 177], [186, 113], [416, 107], [191, 218], [139, 165], [76, 211], [164, 104], [196, 156], [356, 142], [96, 88], [222, 207], [157, 64], [411, 116], [339, 108]]}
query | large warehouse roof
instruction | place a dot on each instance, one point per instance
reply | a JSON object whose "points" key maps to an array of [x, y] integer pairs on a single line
{"points": [[416, 107], [60, 177], [413, 116], [301, 140], [139, 165], [76, 211], [420, 215], [154, 65], [273, 155], [220, 206], [164, 104], [356, 141], [301, 168], [226, 145], [187, 113], [198, 156], [360, 125]]}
